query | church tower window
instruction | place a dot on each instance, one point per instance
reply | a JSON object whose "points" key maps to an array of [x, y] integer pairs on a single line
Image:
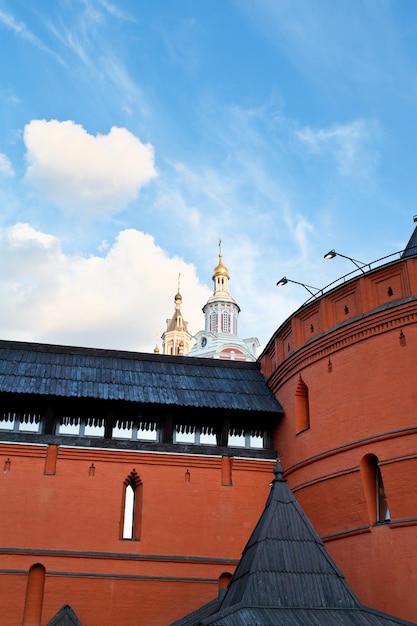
{"points": [[225, 322], [213, 322]]}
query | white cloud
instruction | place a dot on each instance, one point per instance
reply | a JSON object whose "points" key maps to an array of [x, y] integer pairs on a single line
{"points": [[98, 175], [6, 167], [346, 143], [120, 300]]}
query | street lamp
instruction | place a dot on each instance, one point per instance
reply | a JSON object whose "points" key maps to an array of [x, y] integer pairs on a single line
{"points": [[359, 264], [284, 280]]}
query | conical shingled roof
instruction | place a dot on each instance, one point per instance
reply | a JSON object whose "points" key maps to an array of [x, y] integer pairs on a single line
{"points": [[285, 563], [65, 617], [286, 577], [411, 247]]}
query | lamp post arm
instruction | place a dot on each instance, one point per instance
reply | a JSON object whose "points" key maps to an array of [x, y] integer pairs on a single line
{"points": [[284, 280], [359, 264]]}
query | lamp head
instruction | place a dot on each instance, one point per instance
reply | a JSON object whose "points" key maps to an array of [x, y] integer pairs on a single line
{"points": [[330, 255], [282, 282]]}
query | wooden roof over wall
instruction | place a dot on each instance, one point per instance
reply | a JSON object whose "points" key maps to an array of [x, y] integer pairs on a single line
{"points": [[72, 372]]}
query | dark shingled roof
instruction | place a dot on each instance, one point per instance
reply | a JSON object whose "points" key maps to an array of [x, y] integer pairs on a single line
{"points": [[65, 617], [195, 618], [259, 616], [411, 247], [286, 577], [70, 372]]}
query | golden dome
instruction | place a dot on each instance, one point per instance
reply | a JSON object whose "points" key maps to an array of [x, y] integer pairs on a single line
{"points": [[220, 269]]}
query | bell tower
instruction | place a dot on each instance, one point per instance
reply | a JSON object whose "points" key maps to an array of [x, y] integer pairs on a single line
{"points": [[176, 339], [219, 339], [221, 311]]}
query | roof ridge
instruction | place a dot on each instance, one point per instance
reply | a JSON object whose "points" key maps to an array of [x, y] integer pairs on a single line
{"points": [[126, 354]]}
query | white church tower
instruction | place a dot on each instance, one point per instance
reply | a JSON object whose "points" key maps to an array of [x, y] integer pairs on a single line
{"points": [[219, 339]]}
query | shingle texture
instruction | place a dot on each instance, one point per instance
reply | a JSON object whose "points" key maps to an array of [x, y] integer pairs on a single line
{"points": [[411, 247], [145, 378], [65, 617], [259, 616], [286, 577], [285, 563], [194, 618]]}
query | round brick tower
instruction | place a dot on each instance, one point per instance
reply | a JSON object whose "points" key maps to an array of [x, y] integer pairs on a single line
{"points": [[343, 367]]}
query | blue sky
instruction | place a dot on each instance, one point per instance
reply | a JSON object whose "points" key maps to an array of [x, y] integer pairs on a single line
{"points": [[134, 135]]}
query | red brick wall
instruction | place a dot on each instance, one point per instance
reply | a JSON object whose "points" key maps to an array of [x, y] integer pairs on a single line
{"points": [[193, 530]]}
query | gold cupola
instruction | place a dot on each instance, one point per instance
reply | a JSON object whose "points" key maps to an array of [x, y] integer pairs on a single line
{"points": [[220, 274]]}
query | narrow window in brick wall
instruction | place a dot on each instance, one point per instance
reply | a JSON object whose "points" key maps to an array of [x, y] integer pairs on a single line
{"points": [[224, 580], [383, 514], [34, 596], [374, 490], [302, 407], [131, 520]]}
